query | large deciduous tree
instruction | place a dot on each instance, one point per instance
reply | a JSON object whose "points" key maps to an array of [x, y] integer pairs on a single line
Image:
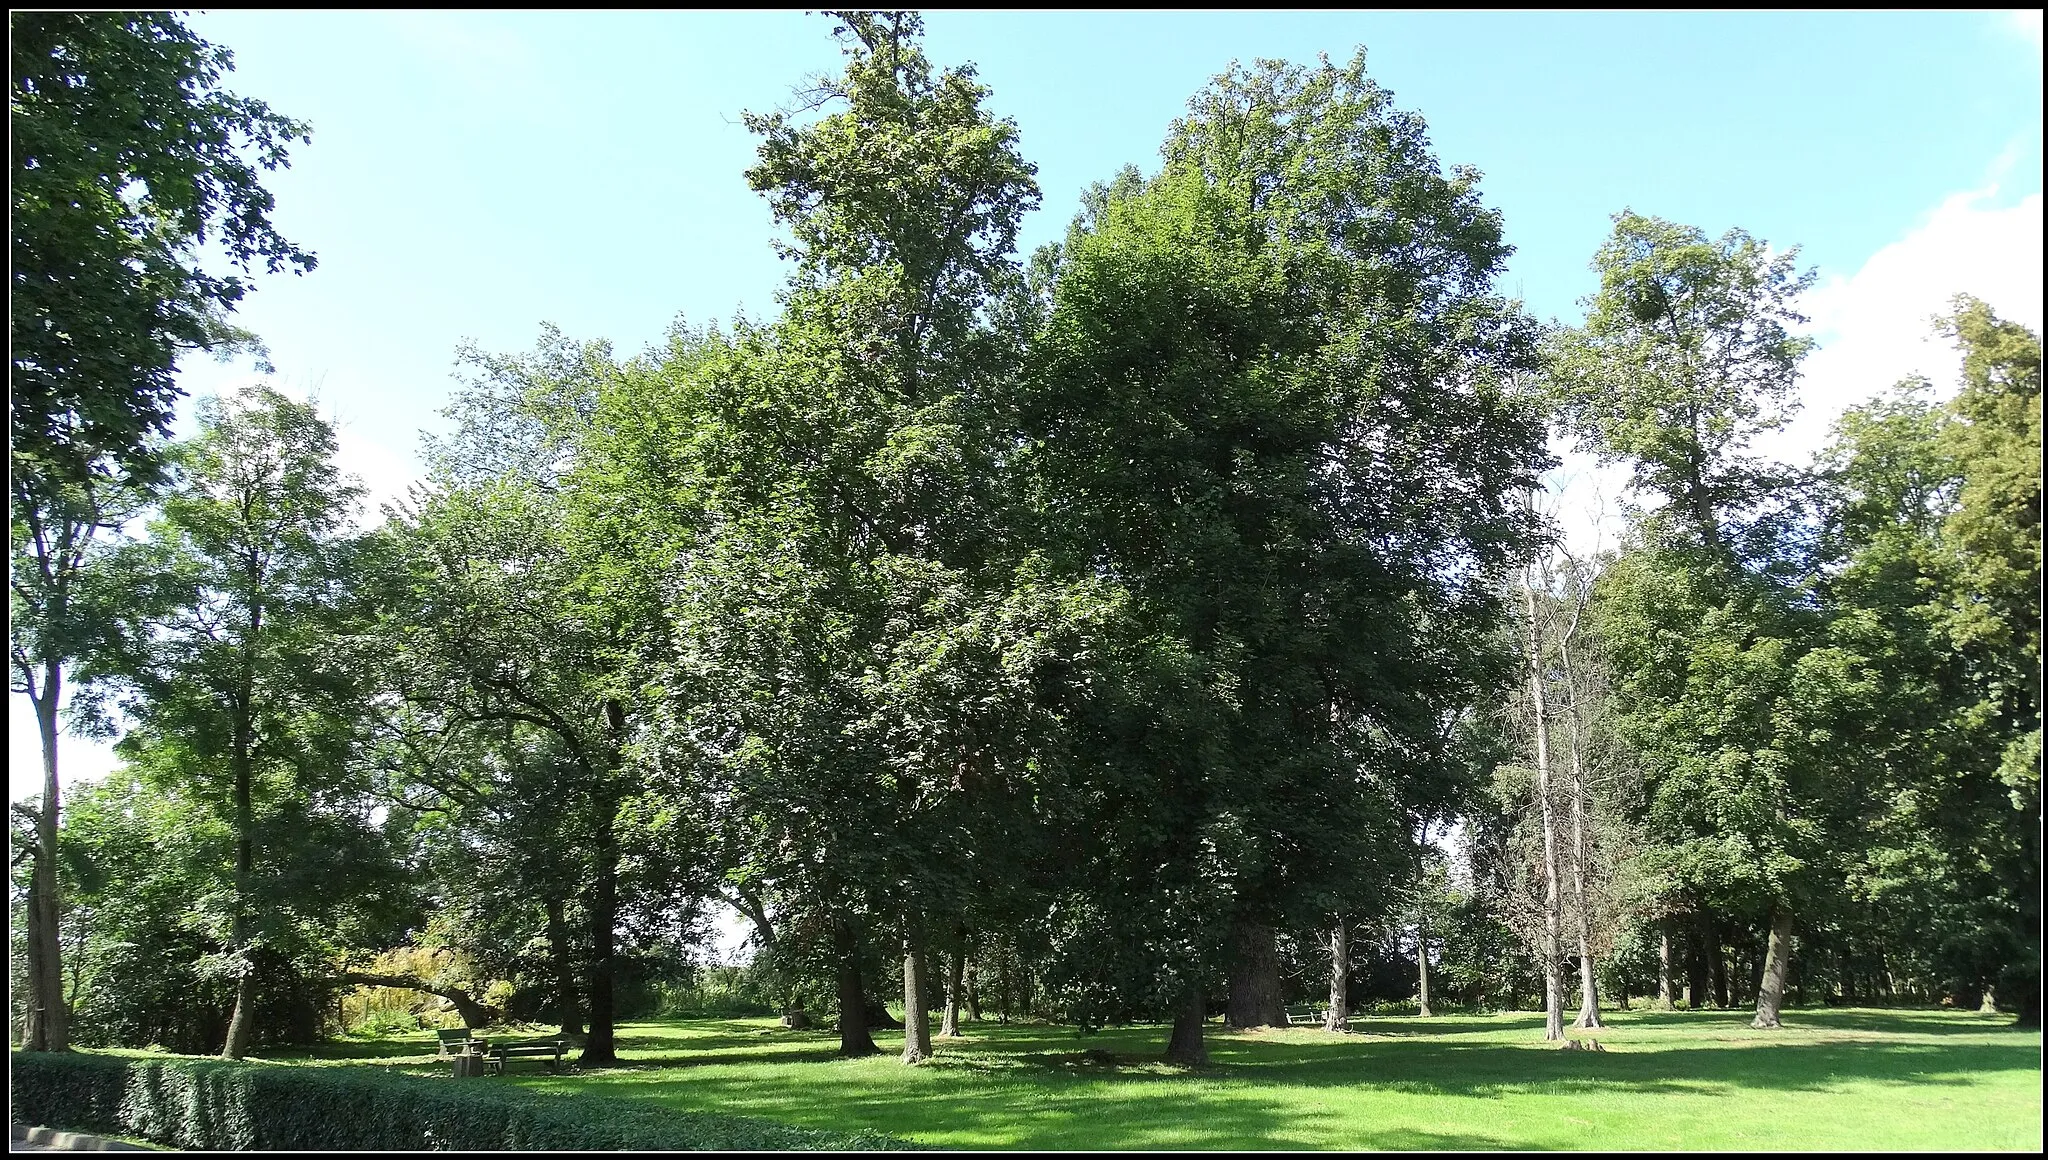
{"points": [[1686, 355], [236, 672], [1268, 404], [126, 158]]}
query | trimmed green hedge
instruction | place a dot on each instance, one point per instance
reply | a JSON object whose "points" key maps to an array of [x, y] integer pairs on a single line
{"points": [[215, 1105]]}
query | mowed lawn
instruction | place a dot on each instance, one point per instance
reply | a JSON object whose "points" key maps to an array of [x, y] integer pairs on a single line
{"points": [[1833, 1079]]}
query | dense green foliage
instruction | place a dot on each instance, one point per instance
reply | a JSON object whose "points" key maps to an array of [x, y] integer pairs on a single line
{"points": [[1158, 626], [207, 1106]]}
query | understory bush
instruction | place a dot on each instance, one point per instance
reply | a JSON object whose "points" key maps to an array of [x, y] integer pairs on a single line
{"points": [[213, 1105]]}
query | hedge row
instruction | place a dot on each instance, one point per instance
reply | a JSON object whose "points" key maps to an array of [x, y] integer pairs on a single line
{"points": [[214, 1105]]}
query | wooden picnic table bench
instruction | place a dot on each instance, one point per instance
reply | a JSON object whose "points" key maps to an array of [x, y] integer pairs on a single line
{"points": [[1304, 1013], [451, 1039], [551, 1050]]}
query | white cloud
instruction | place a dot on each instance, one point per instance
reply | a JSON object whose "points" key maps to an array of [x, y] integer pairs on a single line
{"points": [[1874, 325]]}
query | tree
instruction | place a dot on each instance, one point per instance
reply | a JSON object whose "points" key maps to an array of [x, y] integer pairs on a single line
{"points": [[1685, 356], [126, 156], [849, 474], [233, 676], [1238, 359]]}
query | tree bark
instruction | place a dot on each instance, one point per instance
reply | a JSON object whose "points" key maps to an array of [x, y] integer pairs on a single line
{"points": [[1255, 998], [245, 819], [1589, 984], [956, 969], [973, 992], [1771, 991], [917, 1030], [1338, 1017], [1717, 960], [473, 1013], [1987, 1004], [1696, 965], [1664, 963], [1553, 982], [854, 1039], [1187, 1046], [566, 1013], [600, 1046], [45, 1026], [1422, 967]]}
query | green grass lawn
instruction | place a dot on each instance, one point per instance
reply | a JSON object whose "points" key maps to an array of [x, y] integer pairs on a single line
{"points": [[1832, 1079]]}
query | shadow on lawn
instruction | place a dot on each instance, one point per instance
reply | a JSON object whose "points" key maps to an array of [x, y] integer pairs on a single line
{"points": [[1048, 1087]]}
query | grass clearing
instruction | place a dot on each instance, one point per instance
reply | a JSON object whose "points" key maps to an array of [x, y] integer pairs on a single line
{"points": [[1831, 1079]]}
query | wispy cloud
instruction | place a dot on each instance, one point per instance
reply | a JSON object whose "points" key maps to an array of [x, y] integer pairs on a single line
{"points": [[1874, 325]]}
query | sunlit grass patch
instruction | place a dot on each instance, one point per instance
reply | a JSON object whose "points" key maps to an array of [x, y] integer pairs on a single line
{"points": [[1671, 1080]]}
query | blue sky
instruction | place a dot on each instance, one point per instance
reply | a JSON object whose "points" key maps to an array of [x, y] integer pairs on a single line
{"points": [[472, 175]]}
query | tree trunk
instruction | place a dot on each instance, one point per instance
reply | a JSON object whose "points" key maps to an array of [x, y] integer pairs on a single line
{"points": [[1589, 985], [1255, 998], [1988, 1003], [1696, 966], [1186, 1046], [1717, 960], [566, 1014], [1759, 957], [1338, 1017], [917, 1028], [973, 992], [1771, 991], [1422, 968], [854, 1039], [949, 1027], [1003, 982], [1553, 982], [44, 1024], [1664, 964], [599, 1046], [245, 819], [473, 1013]]}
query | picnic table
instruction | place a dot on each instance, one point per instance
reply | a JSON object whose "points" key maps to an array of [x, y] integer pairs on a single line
{"points": [[452, 1040], [498, 1055]]}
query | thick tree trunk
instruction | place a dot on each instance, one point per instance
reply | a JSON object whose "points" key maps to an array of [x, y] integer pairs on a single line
{"points": [[1696, 966], [1987, 1004], [1770, 993], [917, 1028], [956, 963], [1187, 1046], [600, 1046], [854, 1039], [1553, 982], [1255, 998], [45, 1026], [973, 992], [240, 1022], [1422, 968], [1338, 1017], [1664, 964], [473, 1014], [566, 1013], [1003, 982], [1717, 960]]}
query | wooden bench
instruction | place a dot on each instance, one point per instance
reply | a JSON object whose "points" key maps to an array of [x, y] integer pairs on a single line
{"points": [[504, 1052], [452, 1039], [1304, 1014]]}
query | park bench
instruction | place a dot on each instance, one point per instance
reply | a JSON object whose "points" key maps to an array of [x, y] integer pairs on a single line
{"points": [[551, 1050], [1304, 1014], [452, 1039]]}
